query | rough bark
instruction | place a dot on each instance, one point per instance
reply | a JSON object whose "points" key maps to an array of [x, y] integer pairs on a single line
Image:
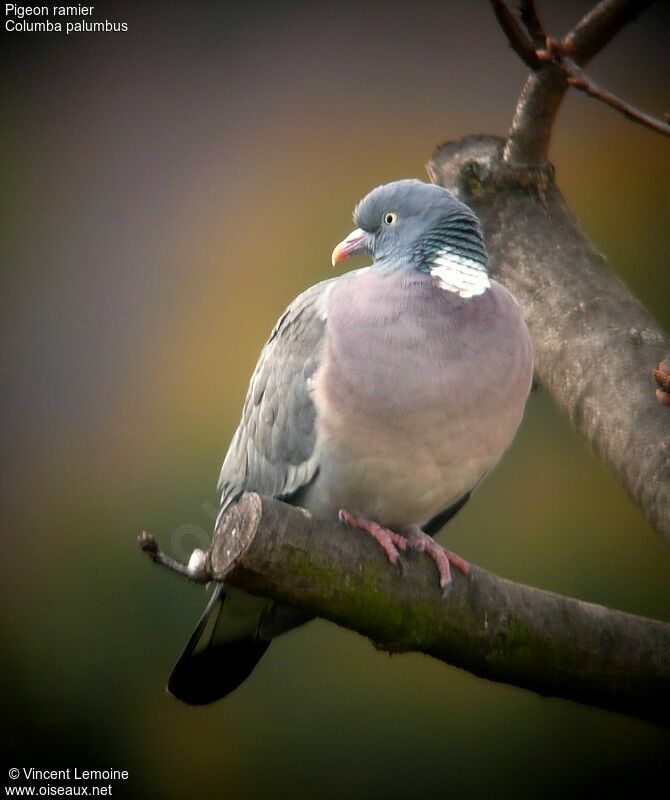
{"points": [[595, 344], [489, 626]]}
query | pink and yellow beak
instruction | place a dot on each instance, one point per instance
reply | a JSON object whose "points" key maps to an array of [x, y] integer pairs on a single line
{"points": [[356, 244]]}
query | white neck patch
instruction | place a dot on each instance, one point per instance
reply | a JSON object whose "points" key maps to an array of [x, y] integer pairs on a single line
{"points": [[459, 274]]}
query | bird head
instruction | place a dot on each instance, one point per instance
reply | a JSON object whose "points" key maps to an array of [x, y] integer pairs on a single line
{"points": [[416, 225]]}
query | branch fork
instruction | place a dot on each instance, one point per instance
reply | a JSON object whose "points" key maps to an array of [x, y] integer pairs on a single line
{"points": [[556, 65]]}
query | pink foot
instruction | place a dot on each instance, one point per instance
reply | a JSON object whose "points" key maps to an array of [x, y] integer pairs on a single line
{"points": [[423, 543], [389, 542]]}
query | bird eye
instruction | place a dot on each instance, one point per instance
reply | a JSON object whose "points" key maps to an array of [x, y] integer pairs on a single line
{"points": [[390, 218]]}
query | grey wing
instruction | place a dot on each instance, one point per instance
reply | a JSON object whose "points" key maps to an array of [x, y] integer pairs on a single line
{"points": [[274, 449]]}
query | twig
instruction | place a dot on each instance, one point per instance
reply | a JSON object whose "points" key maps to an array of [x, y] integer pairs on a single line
{"points": [[516, 36], [579, 80], [198, 568], [496, 629], [531, 19], [555, 52]]}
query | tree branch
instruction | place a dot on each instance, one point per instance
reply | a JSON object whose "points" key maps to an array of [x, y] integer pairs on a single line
{"points": [[517, 37], [595, 344], [579, 80], [198, 568], [531, 19], [494, 628], [527, 143], [597, 28], [582, 318]]}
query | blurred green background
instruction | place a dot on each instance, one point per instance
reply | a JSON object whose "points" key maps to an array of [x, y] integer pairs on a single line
{"points": [[166, 192]]}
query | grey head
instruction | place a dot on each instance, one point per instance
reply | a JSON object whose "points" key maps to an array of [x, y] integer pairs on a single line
{"points": [[413, 225]]}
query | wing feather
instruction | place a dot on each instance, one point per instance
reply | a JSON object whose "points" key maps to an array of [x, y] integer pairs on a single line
{"points": [[274, 449]]}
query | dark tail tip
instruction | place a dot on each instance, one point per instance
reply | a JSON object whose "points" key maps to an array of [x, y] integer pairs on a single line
{"points": [[215, 672]]}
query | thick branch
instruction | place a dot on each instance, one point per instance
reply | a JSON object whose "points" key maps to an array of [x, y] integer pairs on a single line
{"points": [[494, 628], [528, 139], [595, 344]]}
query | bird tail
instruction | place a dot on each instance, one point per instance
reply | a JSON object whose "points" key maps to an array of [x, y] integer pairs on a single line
{"points": [[223, 649], [231, 637]]}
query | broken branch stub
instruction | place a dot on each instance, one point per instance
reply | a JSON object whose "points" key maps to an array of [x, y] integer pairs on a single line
{"points": [[234, 534]]}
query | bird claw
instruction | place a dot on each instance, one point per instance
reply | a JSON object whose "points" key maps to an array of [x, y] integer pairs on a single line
{"points": [[662, 376], [415, 542], [390, 542], [421, 542], [447, 589]]}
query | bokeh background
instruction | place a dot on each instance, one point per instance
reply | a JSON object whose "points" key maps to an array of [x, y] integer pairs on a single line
{"points": [[166, 192]]}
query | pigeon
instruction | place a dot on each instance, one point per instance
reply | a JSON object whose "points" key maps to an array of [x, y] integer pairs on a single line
{"points": [[382, 397]]}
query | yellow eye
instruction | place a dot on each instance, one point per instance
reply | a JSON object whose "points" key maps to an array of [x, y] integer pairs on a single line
{"points": [[390, 218]]}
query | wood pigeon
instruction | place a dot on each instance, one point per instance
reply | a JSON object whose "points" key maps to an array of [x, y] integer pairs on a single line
{"points": [[383, 396]]}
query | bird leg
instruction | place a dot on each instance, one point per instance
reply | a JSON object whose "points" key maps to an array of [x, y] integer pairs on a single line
{"points": [[389, 541], [415, 539], [421, 542]]}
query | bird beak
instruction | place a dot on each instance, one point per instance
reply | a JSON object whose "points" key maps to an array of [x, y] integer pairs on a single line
{"points": [[356, 244]]}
